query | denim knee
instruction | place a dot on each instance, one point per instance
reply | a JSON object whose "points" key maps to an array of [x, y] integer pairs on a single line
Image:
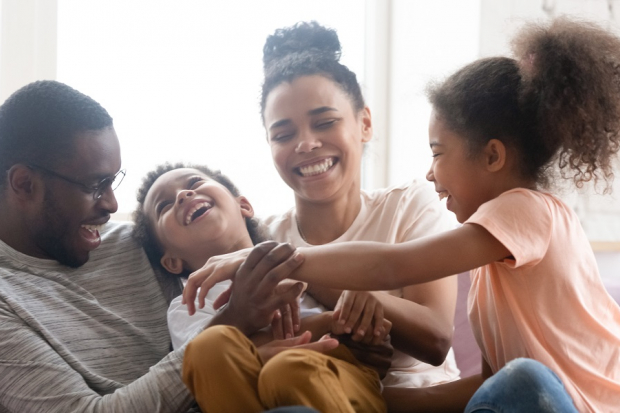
{"points": [[522, 385]]}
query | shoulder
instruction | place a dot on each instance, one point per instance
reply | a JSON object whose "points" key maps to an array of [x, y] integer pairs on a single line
{"points": [[411, 194], [117, 244], [519, 201], [278, 226]]}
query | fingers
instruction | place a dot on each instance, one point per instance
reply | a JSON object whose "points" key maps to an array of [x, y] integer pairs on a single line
{"points": [[322, 346], [276, 326], [296, 314], [287, 322], [387, 327], [378, 322], [257, 254], [274, 266], [222, 298], [357, 306], [365, 323]]}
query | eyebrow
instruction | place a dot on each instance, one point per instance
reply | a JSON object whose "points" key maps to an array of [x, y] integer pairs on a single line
{"points": [[311, 112], [434, 143]]}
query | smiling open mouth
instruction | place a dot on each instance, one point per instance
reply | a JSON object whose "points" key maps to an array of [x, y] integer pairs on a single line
{"points": [[443, 195], [197, 211], [316, 168]]}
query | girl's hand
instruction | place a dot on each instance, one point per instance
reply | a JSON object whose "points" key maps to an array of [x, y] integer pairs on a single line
{"points": [[361, 314], [217, 269]]}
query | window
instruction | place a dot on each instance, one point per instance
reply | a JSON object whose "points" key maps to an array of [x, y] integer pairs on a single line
{"points": [[182, 80]]}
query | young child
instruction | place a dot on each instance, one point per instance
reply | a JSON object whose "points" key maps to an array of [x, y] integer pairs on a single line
{"points": [[499, 130], [187, 214]]}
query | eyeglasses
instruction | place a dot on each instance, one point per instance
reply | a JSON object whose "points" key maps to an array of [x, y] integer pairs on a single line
{"points": [[97, 190]]}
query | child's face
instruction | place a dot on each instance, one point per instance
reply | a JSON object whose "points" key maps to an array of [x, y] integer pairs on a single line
{"points": [[194, 218], [316, 137], [458, 178]]}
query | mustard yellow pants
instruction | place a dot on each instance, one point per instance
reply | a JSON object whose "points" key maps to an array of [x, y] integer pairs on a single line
{"points": [[225, 373]]}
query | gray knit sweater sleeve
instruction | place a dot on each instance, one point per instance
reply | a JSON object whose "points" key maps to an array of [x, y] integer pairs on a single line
{"points": [[91, 339]]}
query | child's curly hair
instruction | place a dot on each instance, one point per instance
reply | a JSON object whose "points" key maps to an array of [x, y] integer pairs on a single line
{"points": [[557, 103], [143, 230]]}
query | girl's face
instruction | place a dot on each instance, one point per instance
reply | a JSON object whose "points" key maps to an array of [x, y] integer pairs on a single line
{"points": [[316, 137], [458, 178], [195, 217]]}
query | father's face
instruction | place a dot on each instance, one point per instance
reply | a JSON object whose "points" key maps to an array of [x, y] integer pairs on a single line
{"points": [[67, 226]]}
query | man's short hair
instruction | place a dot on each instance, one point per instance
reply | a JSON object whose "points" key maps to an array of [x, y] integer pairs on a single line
{"points": [[39, 122]]}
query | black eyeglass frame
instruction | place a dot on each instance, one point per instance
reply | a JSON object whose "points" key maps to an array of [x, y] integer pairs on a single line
{"points": [[97, 190]]}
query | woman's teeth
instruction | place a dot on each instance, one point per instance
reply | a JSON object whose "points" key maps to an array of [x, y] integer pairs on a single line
{"points": [[191, 214], [443, 195], [317, 168]]}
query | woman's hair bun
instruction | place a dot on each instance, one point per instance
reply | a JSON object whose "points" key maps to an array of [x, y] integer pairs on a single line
{"points": [[302, 37]]}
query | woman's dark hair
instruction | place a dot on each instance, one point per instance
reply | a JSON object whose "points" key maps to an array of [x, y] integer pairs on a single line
{"points": [[307, 49], [143, 229], [557, 103]]}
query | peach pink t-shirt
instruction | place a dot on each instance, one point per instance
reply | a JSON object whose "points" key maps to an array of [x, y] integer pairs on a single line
{"points": [[547, 302]]}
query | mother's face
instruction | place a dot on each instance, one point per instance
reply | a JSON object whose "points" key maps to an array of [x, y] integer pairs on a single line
{"points": [[316, 137]]}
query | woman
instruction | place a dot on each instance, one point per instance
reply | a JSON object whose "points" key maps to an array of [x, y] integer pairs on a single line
{"points": [[317, 125]]}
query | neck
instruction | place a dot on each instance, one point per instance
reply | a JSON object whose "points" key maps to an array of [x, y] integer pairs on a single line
{"points": [[15, 232], [320, 223]]}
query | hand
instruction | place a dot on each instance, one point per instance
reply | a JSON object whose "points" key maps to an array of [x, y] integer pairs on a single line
{"points": [[302, 341], [253, 295], [285, 323], [376, 356], [359, 313], [286, 320], [217, 269]]}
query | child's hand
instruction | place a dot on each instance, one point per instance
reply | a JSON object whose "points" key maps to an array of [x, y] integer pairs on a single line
{"points": [[285, 323], [302, 341], [360, 314], [217, 269]]}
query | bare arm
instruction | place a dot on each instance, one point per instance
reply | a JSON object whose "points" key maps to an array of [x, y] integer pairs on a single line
{"points": [[422, 321], [370, 266]]}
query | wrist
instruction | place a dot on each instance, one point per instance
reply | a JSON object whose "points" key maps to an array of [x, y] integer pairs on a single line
{"points": [[227, 316]]}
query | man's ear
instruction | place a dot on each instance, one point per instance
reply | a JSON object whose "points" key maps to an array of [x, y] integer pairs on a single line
{"points": [[246, 208], [21, 181], [172, 264], [494, 155], [366, 121]]}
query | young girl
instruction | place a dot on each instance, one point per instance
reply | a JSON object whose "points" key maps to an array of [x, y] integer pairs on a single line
{"points": [[188, 214], [499, 128], [317, 125]]}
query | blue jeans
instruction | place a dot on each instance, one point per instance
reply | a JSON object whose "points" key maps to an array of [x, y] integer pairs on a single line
{"points": [[522, 385]]}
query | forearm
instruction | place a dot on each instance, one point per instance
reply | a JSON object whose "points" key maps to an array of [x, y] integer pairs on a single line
{"points": [[417, 331], [326, 296], [42, 386], [336, 266], [372, 266], [444, 398]]}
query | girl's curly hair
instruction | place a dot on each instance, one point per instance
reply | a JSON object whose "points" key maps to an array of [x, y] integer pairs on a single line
{"points": [[557, 102]]}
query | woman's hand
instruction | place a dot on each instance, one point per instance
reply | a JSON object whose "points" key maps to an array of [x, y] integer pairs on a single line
{"points": [[360, 314]]}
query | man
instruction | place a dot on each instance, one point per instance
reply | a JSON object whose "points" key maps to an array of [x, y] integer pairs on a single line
{"points": [[82, 314]]}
